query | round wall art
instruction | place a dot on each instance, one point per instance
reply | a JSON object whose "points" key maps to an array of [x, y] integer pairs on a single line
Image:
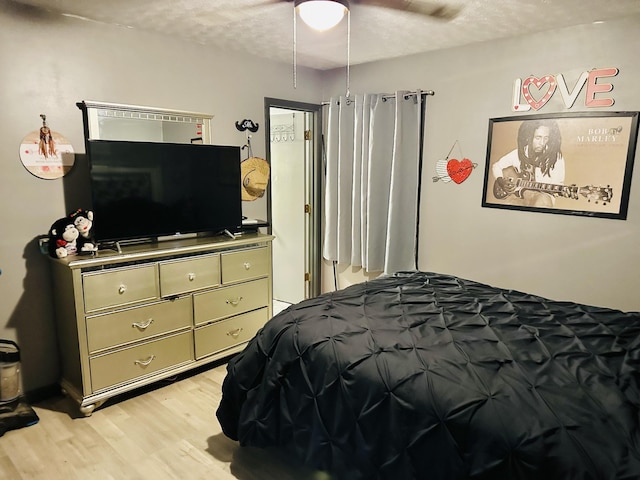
{"points": [[45, 153]]}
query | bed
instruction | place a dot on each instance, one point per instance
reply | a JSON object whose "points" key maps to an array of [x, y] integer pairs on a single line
{"points": [[430, 376]]}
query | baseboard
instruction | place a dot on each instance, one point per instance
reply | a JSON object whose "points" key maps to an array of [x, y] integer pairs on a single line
{"points": [[43, 393]]}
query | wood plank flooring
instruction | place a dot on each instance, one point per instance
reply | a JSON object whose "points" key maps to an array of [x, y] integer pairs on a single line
{"points": [[168, 432]]}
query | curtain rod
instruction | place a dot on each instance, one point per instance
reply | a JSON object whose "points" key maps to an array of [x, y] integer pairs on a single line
{"points": [[393, 95]]}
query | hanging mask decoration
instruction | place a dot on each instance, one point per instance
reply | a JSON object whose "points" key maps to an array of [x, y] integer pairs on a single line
{"points": [[449, 169], [45, 153]]}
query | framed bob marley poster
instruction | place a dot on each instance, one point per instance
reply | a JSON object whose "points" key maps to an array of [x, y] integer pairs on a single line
{"points": [[566, 163]]}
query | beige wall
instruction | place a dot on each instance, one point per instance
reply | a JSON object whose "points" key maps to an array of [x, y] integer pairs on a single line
{"points": [[589, 260], [47, 64]]}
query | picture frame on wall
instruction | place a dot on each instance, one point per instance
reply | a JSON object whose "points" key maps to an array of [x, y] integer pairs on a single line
{"points": [[564, 163]]}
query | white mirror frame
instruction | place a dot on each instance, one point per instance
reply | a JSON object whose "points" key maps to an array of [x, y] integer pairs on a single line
{"points": [[94, 111]]}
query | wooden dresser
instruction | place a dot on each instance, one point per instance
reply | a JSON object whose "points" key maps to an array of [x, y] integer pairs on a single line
{"points": [[128, 319]]}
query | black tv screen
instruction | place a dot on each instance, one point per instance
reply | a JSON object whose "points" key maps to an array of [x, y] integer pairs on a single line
{"points": [[146, 190]]}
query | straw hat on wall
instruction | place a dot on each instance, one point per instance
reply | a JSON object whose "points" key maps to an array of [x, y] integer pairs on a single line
{"points": [[255, 177]]}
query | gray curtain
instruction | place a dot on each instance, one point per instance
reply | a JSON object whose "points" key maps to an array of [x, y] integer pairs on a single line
{"points": [[372, 178]]}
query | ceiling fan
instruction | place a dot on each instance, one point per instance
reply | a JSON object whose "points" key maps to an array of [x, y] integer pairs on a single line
{"points": [[325, 14]]}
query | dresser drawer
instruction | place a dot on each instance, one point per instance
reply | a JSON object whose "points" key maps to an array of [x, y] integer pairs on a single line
{"points": [[224, 334], [140, 360], [245, 265], [227, 301], [137, 323], [182, 276], [117, 287]]}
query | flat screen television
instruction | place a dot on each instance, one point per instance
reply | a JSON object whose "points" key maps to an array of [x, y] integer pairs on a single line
{"points": [[148, 190]]}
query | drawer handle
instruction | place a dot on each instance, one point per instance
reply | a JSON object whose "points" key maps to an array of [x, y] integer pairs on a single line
{"points": [[246, 265], [192, 277], [142, 325], [235, 333], [122, 289], [146, 362], [234, 302]]}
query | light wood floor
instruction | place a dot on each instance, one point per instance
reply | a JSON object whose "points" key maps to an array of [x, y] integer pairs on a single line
{"points": [[168, 432]]}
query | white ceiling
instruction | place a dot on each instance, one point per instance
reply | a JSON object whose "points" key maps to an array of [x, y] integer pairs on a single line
{"points": [[265, 27]]}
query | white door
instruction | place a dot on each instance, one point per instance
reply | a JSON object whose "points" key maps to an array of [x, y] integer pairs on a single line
{"points": [[293, 197], [288, 198]]}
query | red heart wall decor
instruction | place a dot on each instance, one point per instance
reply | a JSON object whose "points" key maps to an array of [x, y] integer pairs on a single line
{"points": [[459, 171], [551, 83]]}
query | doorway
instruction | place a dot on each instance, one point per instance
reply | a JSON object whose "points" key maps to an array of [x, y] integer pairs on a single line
{"points": [[294, 142]]}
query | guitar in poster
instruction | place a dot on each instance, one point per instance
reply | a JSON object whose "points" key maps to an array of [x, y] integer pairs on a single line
{"points": [[512, 183]]}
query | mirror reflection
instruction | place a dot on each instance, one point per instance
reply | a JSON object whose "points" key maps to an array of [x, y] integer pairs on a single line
{"points": [[111, 121]]}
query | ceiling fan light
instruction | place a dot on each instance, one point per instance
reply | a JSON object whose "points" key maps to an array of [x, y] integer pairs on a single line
{"points": [[322, 14]]}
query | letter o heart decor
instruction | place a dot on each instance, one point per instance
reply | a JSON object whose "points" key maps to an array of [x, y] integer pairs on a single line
{"points": [[548, 80], [459, 170]]}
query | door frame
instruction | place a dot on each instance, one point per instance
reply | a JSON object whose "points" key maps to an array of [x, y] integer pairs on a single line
{"points": [[315, 182]]}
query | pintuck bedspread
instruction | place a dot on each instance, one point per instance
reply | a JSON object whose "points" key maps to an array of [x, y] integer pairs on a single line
{"points": [[429, 376]]}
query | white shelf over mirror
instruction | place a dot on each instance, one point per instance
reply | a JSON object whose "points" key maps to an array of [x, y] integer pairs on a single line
{"points": [[113, 121]]}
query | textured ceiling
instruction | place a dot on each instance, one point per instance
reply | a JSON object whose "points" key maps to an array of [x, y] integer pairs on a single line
{"points": [[265, 27]]}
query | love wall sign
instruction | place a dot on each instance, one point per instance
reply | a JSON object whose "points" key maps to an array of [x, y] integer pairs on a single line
{"points": [[537, 91]]}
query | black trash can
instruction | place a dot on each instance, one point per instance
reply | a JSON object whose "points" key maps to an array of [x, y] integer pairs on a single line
{"points": [[10, 378], [15, 412]]}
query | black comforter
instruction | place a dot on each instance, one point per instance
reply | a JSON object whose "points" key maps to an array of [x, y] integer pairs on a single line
{"points": [[422, 375]]}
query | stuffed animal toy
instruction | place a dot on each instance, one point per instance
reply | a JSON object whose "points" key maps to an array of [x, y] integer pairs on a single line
{"points": [[83, 221], [63, 238]]}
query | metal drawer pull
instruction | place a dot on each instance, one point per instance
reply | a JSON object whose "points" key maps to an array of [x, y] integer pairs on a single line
{"points": [[234, 302], [246, 265], [122, 289], [192, 277], [235, 333], [146, 362], [142, 325]]}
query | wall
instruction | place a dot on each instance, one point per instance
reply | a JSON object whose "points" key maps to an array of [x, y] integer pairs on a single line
{"points": [[588, 260], [50, 62]]}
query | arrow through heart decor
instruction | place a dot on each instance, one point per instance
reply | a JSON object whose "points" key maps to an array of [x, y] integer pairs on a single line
{"points": [[453, 169]]}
